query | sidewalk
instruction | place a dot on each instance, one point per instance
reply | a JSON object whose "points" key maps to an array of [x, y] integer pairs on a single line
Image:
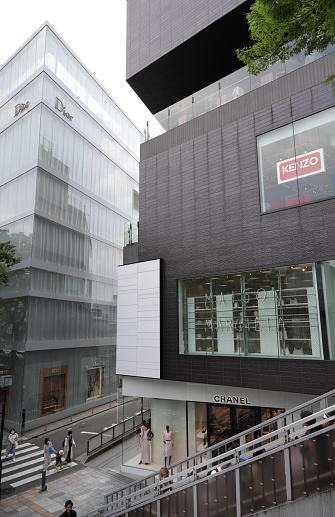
{"points": [[68, 421], [85, 487]]}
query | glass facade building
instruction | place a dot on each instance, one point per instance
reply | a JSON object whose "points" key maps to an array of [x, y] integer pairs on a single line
{"points": [[68, 188]]}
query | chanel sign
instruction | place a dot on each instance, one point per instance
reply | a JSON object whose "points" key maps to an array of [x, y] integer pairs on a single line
{"points": [[232, 400]]}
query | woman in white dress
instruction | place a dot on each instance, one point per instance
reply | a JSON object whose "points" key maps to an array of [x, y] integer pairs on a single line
{"points": [[145, 444], [47, 453]]}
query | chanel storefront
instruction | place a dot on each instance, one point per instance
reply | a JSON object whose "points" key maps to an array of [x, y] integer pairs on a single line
{"points": [[201, 415]]}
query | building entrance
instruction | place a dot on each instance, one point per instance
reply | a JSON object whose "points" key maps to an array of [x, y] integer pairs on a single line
{"points": [[226, 421], [209, 424]]}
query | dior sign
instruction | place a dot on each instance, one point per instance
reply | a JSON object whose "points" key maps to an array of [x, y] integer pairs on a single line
{"points": [[21, 107], [60, 107]]}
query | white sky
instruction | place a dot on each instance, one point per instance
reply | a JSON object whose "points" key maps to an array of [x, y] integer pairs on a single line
{"points": [[95, 31]]}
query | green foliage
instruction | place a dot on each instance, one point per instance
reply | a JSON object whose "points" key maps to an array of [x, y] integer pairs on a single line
{"points": [[282, 28], [7, 260]]}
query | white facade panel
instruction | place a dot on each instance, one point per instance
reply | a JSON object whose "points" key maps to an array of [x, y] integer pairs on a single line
{"points": [[138, 320], [187, 391]]}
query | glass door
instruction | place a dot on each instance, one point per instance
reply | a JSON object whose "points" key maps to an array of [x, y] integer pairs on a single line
{"points": [[219, 423]]}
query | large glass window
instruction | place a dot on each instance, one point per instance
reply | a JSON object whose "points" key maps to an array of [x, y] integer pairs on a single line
{"points": [[18, 196], [297, 162], [21, 103], [59, 245], [20, 234], [272, 313], [19, 143], [91, 128], [71, 72], [23, 65], [58, 199], [58, 320], [68, 152]]}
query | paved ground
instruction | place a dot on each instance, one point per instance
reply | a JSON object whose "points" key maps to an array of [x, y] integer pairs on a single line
{"points": [[85, 485], [86, 488]]}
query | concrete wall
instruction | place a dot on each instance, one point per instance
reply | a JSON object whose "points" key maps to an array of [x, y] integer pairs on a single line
{"points": [[317, 506], [155, 27]]}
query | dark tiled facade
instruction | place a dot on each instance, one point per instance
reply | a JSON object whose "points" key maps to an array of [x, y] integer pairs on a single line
{"points": [[200, 213]]}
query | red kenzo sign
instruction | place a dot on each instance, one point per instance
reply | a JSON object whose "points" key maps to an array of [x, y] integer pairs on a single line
{"points": [[303, 165]]}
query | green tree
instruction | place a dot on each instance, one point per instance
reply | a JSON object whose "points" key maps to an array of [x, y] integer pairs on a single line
{"points": [[7, 260], [282, 28]]}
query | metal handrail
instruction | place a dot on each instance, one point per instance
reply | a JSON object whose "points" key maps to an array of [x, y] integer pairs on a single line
{"points": [[117, 432], [284, 438], [193, 459]]}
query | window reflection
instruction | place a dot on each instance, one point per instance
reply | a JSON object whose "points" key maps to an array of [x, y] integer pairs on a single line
{"points": [[68, 152], [297, 162], [66, 67], [269, 313]]}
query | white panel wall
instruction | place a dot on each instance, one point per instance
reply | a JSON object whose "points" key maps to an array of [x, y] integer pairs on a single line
{"points": [[138, 320]]}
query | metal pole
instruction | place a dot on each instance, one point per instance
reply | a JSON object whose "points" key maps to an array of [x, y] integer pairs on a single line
{"points": [[44, 475], [2, 426], [117, 406]]}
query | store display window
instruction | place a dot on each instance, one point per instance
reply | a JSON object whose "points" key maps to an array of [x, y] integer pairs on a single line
{"points": [[297, 162], [53, 390], [95, 379], [210, 424], [272, 313]]}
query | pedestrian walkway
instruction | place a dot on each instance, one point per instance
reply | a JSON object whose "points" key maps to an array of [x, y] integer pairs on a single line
{"points": [[28, 466], [70, 420], [85, 487]]}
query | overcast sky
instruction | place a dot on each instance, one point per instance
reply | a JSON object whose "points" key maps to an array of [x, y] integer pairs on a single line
{"points": [[95, 31]]}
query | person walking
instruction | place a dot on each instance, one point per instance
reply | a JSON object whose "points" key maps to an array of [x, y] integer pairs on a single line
{"points": [[47, 450], [13, 438], [69, 512], [69, 443], [59, 463]]}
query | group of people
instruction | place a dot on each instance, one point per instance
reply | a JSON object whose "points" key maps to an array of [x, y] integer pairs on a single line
{"points": [[48, 450], [67, 451]]}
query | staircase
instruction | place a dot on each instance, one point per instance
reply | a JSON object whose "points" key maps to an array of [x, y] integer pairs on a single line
{"points": [[282, 460]]}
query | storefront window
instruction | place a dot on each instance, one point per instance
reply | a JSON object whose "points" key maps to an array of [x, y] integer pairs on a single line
{"points": [[272, 313], [210, 424], [53, 390], [95, 379], [328, 279], [296, 162]]}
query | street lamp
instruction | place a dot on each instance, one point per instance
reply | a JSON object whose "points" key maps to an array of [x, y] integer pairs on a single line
{"points": [[5, 382]]}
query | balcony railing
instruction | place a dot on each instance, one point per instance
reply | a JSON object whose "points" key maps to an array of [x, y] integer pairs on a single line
{"points": [[283, 459], [225, 90]]}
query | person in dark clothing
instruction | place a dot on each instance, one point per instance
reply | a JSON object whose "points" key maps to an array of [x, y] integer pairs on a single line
{"points": [[304, 414], [69, 443], [59, 462], [69, 512]]}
